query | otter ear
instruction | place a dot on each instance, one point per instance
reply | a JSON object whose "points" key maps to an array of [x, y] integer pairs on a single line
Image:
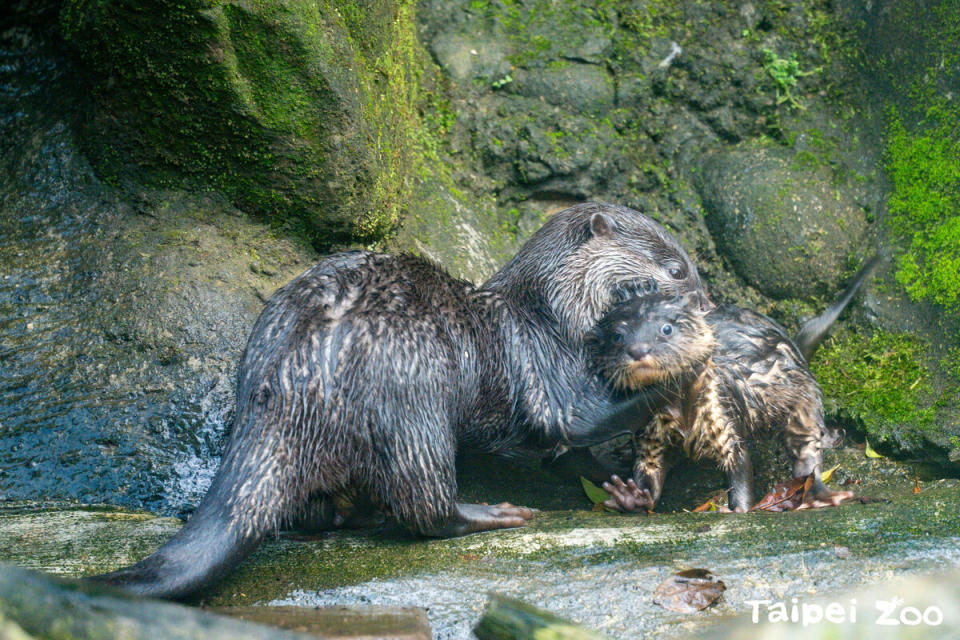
{"points": [[601, 225]]}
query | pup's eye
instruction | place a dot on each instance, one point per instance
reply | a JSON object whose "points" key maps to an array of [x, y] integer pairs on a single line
{"points": [[676, 273], [666, 329]]}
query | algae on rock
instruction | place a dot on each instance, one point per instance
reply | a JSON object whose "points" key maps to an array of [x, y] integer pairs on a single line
{"points": [[304, 112]]}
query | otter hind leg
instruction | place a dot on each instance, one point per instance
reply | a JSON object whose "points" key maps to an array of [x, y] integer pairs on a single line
{"points": [[740, 480], [414, 477], [803, 435], [473, 518]]}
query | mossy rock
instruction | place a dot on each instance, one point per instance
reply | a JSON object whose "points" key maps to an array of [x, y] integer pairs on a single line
{"points": [[581, 88], [786, 228], [34, 607], [568, 559], [122, 316], [304, 112]]}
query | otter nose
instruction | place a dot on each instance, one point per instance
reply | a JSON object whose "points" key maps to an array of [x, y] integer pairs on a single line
{"points": [[639, 351], [705, 303]]}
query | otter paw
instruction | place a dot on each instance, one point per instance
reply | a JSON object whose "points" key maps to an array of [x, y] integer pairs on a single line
{"points": [[827, 499], [473, 518], [627, 497]]}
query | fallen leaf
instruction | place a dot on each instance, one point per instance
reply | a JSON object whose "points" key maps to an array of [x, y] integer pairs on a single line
{"points": [[786, 496], [796, 494], [689, 591], [717, 502], [828, 474], [709, 505], [869, 452], [596, 494], [916, 485]]}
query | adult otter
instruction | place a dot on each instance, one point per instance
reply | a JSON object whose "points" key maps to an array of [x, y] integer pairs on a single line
{"points": [[368, 371], [736, 372]]}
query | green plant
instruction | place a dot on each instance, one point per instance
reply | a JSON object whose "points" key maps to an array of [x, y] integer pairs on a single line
{"points": [[784, 73], [502, 82]]}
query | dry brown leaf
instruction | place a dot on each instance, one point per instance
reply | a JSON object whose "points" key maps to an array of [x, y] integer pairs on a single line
{"points": [[797, 494], [916, 485], [786, 496], [717, 502], [689, 591], [709, 505]]}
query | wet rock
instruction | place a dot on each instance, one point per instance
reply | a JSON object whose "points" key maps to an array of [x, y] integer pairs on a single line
{"points": [[73, 539], [296, 111], [33, 606], [123, 310], [341, 623], [568, 559], [780, 220], [478, 54], [582, 88], [468, 236], [549, 152]]}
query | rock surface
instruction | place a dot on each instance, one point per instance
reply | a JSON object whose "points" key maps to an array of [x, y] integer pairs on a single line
{"points": [[785, 227], [303, 112], [597, 569], [32, 606], [127, 298], [123, 312]]}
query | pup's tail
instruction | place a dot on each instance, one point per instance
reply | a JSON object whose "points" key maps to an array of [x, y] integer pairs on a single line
{"points": [[815, 330]]}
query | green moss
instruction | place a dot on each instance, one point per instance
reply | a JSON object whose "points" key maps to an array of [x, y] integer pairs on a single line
{"points": [[533, 27], [951, 363], [923, 144], [879, 380], [925, 207], [305, 113]]}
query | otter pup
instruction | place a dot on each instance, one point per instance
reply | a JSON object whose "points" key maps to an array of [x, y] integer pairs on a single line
{"points": [[731, 371], [366, 374]]}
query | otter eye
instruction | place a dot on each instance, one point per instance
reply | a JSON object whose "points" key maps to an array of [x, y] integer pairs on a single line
{"points": [[676, 272], [666, 329]]}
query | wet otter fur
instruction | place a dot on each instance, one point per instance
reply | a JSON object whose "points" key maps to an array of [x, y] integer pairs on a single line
{"points": [[366, 374], [733, 372]]}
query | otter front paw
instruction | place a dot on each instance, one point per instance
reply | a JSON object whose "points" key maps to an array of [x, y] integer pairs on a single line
{"points": [[627, 497]]}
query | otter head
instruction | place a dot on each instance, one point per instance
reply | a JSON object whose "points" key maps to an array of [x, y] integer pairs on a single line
{"points": [[575, 263], [624, 246], [650, 338]]}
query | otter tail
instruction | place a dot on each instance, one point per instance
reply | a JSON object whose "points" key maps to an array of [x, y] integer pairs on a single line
{"points": [[245, 501], [815, 330]]}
